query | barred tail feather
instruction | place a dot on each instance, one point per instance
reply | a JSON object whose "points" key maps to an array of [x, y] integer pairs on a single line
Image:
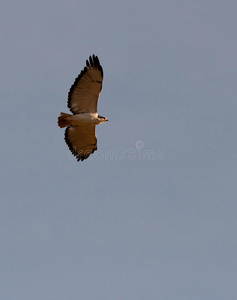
{"points": [[64, 120]]}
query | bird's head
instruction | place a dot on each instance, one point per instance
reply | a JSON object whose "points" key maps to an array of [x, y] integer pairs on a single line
{"points": [[102, 119]]}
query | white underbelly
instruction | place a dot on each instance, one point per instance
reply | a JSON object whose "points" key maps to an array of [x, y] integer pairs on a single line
{"points": [[85, 118]]}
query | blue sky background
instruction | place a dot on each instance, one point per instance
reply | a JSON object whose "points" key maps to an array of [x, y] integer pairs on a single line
{"points": [[120, 227]]}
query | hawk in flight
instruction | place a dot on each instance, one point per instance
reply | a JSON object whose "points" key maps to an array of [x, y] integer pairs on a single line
{"points": [[82, 101]]}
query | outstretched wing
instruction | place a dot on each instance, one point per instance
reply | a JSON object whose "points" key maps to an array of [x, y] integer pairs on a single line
{"points": [[81, 140], [84, 93]]}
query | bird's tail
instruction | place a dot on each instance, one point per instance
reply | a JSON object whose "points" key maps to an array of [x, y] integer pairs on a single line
{"points": [[64, 120]]}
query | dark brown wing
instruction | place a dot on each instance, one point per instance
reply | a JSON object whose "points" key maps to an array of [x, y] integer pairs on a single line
{"points": [[81, 140], [84, 93]]}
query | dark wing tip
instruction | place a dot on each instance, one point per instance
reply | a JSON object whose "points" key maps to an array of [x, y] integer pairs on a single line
{"points": [[95, 63], [83, 157]]}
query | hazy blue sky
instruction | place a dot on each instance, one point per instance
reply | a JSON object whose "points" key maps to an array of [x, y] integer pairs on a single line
{"points": [[123, 227]]}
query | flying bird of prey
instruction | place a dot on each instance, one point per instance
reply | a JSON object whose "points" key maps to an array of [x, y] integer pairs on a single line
{"points": [[83, 97]]}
